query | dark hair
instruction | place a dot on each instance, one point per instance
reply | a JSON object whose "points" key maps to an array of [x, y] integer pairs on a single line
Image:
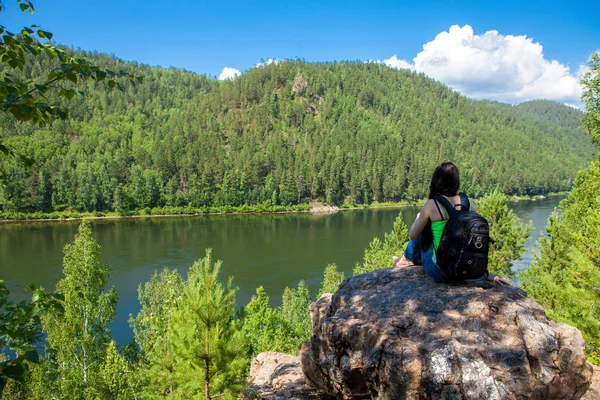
{"points": [[445, 180]]}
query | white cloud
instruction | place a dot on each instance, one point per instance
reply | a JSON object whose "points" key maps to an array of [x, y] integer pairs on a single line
{"points": [[494, 66], [267, 62], [229, 73], [395, 62]]}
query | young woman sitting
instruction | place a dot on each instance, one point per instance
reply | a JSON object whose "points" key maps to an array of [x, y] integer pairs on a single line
{"points": [[426, 232]]}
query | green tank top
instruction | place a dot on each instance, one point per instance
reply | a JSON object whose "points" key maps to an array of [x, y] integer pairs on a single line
{"points": [[437, 227]]}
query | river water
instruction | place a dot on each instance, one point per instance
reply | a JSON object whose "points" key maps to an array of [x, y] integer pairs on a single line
{"points": [[274, 251]]}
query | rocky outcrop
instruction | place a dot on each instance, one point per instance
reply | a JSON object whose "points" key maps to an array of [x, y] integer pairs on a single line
{"points": [[278, 376], [316, 207], [395, 334], [593, 392]]}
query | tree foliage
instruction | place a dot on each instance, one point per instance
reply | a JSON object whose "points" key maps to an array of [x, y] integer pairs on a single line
{"points": [[591, 97], [508, 233], [37, 98], [264, 329], [78, 337], [379, 254], [20, 330], [207, 348], [331, 280], [278, 135], [157, 298], [565, 276]]}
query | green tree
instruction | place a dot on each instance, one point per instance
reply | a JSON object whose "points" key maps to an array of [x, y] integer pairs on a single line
{"points": [[283, 329], [331, 280], [78, 338], [591, 97], [263, 327], [294, 310], [27, 99], [565, 276], [157, 298], [508, 233], [206, 346], [117, 376], [378, 254]]}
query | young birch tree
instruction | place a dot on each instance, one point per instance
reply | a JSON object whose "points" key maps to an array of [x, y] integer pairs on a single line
{"points": [[78, 338]]}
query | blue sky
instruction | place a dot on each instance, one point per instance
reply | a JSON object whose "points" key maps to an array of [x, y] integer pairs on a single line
{"points": [[206, 36]]}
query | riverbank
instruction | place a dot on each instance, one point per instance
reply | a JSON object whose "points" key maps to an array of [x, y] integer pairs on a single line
{"points": [[165, 212]]}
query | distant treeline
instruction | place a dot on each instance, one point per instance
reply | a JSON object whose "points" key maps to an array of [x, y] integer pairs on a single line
{"points": [[281, 134]]}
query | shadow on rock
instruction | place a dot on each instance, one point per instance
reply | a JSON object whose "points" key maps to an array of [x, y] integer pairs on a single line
{"points": [[395, 334]]}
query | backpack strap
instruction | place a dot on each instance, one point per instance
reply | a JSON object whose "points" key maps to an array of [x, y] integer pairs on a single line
{"points": [[446, 204], [465, 204], [440, 211]]}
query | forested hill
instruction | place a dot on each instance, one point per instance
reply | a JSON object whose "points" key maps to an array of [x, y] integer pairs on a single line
{"points": [[556, 120], [281, 134], [552, 112]]}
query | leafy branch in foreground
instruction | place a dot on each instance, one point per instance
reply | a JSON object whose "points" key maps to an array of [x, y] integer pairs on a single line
{"points": [[26, 99], [20, 329]]}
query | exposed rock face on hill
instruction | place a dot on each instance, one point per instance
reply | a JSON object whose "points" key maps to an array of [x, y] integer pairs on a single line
{"points": [[395, 334]]}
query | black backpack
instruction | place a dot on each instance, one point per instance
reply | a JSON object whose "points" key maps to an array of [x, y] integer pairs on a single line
{"points": [[463, 250]]}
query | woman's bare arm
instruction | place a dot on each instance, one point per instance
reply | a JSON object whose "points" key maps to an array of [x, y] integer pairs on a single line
{"points": [[420, 222]]}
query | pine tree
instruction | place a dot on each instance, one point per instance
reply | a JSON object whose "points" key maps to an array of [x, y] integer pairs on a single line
{"points": [[203, 341]]}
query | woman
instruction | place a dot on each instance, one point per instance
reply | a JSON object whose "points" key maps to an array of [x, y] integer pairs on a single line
{"points": [[426, 231]]}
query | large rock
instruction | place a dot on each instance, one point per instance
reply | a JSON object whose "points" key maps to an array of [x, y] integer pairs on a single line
{"points": [[278, 376], [395, 334]]}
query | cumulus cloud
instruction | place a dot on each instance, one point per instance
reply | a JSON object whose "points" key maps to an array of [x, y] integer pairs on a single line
{"points": [[229, 73], [494, 66], [395, 62]]}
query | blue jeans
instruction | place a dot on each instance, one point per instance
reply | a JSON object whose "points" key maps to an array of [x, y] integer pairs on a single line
{"points": [[417, 255]]}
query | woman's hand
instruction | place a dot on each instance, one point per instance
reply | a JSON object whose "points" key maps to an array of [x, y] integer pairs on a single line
{"points": [[498, 280]]}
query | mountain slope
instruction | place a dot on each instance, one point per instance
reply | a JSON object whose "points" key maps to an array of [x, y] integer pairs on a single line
{"points": [[280, 134]]}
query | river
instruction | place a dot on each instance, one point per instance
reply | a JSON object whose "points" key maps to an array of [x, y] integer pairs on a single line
{"points": [[274, 251]]}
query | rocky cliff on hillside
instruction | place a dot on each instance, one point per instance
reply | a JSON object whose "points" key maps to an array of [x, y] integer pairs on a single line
{"points": [[395, 334]]}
